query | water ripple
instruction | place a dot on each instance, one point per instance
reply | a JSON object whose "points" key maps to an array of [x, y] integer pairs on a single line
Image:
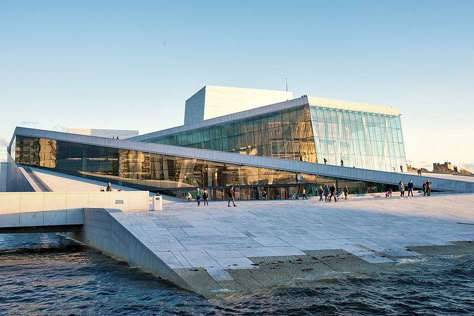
{"points": [[45, 274]]}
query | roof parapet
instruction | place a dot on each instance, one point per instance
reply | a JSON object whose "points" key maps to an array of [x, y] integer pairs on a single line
{"points": [[353, 106]]}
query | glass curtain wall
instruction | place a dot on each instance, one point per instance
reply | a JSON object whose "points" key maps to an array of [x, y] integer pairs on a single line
{"points": [[307, 133], [284, 134], [359, 139], [168, 174]]}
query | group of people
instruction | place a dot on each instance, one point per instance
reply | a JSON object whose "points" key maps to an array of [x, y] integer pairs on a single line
{"points": [[200, 196], [326, 161], [426, 188], [331, 192], [204, 196], [409, 188]]}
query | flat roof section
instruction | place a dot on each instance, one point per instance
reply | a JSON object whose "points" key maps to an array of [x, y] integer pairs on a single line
{"points": [[353, 106], [214, 101]]}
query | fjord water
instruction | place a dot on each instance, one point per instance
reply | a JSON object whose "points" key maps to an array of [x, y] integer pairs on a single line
{"points": [[45, 274]]}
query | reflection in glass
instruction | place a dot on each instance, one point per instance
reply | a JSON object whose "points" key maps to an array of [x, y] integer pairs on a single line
{"points": [[168, 174]]}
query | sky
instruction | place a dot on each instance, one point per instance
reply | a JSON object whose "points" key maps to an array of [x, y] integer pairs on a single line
{"points": [[132, 64]]}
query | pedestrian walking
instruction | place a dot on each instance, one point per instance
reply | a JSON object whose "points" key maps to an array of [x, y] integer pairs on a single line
{"points": [[325, 160], [304, 194], [410, 188], [231, 195], [109, 187], [320, 192], [332, 191], [205, 197], [198, 197], [428, 187], [342, 163], [189, 196]]}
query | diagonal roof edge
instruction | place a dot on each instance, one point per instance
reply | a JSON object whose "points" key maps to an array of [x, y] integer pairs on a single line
{"points": [[333, 171]]}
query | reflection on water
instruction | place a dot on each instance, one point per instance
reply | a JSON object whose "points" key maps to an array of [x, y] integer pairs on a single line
{"points": [[49, 275]]}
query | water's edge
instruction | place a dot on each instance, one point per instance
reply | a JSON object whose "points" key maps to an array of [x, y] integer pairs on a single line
{"points": [[46, 274]]}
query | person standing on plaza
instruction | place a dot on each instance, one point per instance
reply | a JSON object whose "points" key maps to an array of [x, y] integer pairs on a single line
{"points": [[325, 160], [205, 197], [410, 188], [304, 194], [428, 187], [109, 187], [342, 163], [198, 197], [189, 196], [346, 192], [320, 192], [326, 192], [401, 188], [231, 196], [332, 191]]}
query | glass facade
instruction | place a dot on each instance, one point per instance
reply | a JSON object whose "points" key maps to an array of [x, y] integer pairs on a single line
{"points": [[168, 174], [359, 139], [284, 134], [307, 133]]}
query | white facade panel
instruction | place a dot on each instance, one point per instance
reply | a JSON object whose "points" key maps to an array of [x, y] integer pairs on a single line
{"points": [[216, 101], [194, 107], [226, 100]]}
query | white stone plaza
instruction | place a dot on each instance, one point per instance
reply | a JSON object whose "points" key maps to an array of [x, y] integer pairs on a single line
{"points": [[375, 229]]}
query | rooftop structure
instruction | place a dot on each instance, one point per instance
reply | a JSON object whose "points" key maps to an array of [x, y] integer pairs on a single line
{"points": [[312, 129], [215, 101]]}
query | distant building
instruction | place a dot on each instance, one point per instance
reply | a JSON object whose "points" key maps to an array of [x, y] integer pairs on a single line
{"points": [[444, 167], [109, 133]]}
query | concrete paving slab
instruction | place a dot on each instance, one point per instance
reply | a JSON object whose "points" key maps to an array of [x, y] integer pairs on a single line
{"points": [[199, 259], [221, 244], [271, 241], [271, 251], [235, 263]]}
